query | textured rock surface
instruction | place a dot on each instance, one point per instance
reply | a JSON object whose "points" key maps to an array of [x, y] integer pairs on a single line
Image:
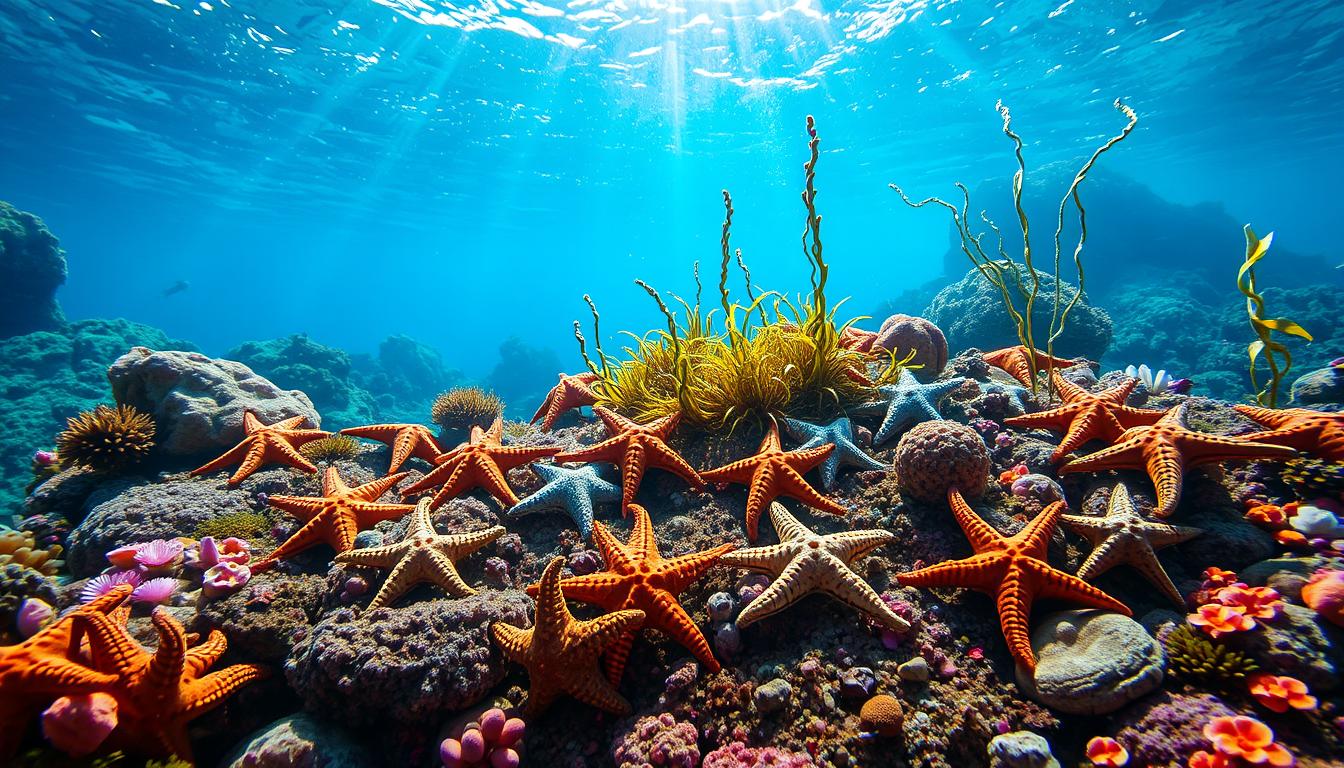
{"points": [[1297, 645], [1021, 749], [262, 619], [1323, 385], [321, 372], [299, 741], [1091, 662], [937, 455], [1164, 729], [32, 267]]}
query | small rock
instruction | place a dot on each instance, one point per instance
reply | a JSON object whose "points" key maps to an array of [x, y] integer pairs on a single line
{"points": [[915, 670], [857, 683], [298, 740], [1091, 662], [773, 695], [720, 606], [1021, 749]]}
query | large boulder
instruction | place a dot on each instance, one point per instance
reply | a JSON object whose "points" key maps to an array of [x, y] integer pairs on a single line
{"points": [[198, 402], [32, 267], [1091, 662]]}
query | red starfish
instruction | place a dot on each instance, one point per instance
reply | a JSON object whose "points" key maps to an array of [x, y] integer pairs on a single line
{"points": [[1165, 449], [405, 440], [1012, 570], [638, 577], [774, 472], [336, 516], [479, 463], [1315, 432], [266, 442], [1016, 362], [572, 392], [635, 447], [1086, 416]]}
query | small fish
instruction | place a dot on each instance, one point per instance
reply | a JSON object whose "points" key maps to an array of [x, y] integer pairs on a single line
{"points": [[178, 287]]}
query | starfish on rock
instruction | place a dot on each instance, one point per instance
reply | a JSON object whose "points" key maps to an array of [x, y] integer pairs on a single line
{"points": [[634, 447], [1085, 416], [572, 392], [560, 652], [1166, 449], [638, 577], [336, 516], [774, 472], [422, 555], [804, 562], [263, 443], [1012, 570], [907, 402], [479, 463], [1017, 363], [576, 491], [839, 433], [1123, 536], [405, 440], [1318, 433]]}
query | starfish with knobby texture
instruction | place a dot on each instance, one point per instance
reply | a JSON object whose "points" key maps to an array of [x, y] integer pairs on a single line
{"points": [[47, 666], [1085, 416], [774, 472], [1012, 570], [572, 392], [1017, 363], [560, 652], [804, 562], [478, 463], [336, 516], [839, 433], [576, 491], [264, 443], [635, 447], [1315, 432], [1166, 449], [1123, 536], [422, 555], [159, 693], [638, 577], [405, 440], [907, 402]]}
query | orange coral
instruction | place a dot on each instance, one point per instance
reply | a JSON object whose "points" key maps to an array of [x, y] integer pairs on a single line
{"points": [[1202, 759], [1261, 603], [1215, 577], [1248, 739], [1280, 693], [1103, 750], [1218, 620], [1271, 515]]}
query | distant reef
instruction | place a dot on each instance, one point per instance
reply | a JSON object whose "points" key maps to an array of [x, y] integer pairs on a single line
{"points": [[32, 267]]}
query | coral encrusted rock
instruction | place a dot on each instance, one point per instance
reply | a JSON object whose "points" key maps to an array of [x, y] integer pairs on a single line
{"points": [[299, 740], [32, 267], [1091, 662], [935, 456]]}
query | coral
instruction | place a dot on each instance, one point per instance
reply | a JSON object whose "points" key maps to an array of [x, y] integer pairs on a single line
{"points": [[1163, 729], [902, 335], [224, 579], [936, 456], [263, 619], [330, 449], [32, 267], [1273, 350], [77, 725], [1324, 594], [242, 525], [106, 438], [489, 740], [1192, 658], [466, 407], [524, 372], [1218, 620], [17, 584], [1281, 693], [20, 548], [1248, 739], [739, 755], [883, 715], [1103, 750], [657, 740]]}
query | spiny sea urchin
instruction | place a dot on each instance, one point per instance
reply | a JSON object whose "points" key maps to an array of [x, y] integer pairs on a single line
{"points": [[106, 438], [465, 407], [330, 449]]}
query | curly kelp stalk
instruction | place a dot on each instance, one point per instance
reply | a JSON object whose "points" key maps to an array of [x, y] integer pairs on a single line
{"points": [[1268, 395]]}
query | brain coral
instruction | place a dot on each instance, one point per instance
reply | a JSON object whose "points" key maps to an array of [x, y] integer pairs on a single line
{"points": [[903, 334], [935, 456]]}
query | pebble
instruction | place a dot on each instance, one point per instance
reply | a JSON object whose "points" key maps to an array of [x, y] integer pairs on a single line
{"points": [[857, 683], [1021, 749], [915, 670], [773, 695]]}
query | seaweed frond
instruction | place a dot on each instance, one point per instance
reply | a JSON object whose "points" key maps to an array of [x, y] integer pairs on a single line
{"points": [[1265, 344]]}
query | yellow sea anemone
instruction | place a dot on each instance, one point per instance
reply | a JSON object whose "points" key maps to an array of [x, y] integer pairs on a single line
{"points": [[465, 407], [330, 449], [106, 438]]}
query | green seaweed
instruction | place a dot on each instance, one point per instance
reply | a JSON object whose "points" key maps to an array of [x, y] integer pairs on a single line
{"points": [[1264, 344], [241, 525], [1192, 658]]}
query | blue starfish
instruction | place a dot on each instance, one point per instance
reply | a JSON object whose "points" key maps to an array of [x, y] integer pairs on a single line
{"points": [[839, 433], [577, 491], [907, 402]]}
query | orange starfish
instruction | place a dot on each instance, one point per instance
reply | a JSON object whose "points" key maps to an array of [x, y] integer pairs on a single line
{"points": [[635, 447], [1315, 432], [159, 693], [774, 472], [1012, 570], [266, 442], [336, 516], [572, 392], [479, 463], [638, 577], [1017, 362], [1085, 416], [47, 666], [1166, 449], [405, 440]]}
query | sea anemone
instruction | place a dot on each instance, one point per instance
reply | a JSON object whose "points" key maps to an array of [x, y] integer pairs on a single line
{"points": [[210, 552], [34, 614], [158, 556], [155, 591], [106, 438], [466, 407], [103, 583], [1248, 739], [330, 449], [1279, 693], [224, 579], [1192, 658], [1262, 603]]}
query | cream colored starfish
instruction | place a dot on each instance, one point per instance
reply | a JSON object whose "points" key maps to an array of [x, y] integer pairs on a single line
{"points": [[422, 555], [1124, 536], [804, 562]]}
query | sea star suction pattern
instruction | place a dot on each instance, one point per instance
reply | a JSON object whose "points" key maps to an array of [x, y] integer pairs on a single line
{"points": [[1124, 537], [1165, 449], [335, 517], [774, 472], [576, 491], [1084, 416], [478, 463], [572, 392], [635, 447], [637, 577], [422, 555], [804, 562], [1016, 363], [1315, 432], [907, 402], [839, 433], [560, 652], [405, 441], [266, 443], [1012, 570]]}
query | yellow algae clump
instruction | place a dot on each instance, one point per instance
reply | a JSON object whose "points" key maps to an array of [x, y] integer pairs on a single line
{"points": [[465, 407]]}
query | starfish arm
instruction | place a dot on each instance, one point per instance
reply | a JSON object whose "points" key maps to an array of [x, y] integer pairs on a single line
{"points": [[444, 573], [786, 525], [163, 675], [596, 635], [373, 557], [252, 461], [407, 573], [367, 514], [616, 656], [796, 487], [548, 409], [1094, 529], [1091, 424], [1208, 449], [299, 437], [614, 553], [304, 508], [596, 691], [289, 455], [1166, 469], [1057, 585], [668, 459], [762, 490], [852, 545], [632, 467], [804, 459], [1035, 537], [552, 614], [371, 491], [450, 465], [610, 450], [513, 641], [981, 534], [740, 472], [1127, 454], [602, 589], [680, 572], [643, 545], [1148, 565], [203, 656], [1161, 535], [202, 695], [1100, 560], [230, 457], [769, 560], [1014, 599], [459, 545], [978, 572], [1268, 417], [671, 619], [796, 580], [845, 585], [316, 531], [111, 648], [511, 456], [830, 470], [61, 677]]}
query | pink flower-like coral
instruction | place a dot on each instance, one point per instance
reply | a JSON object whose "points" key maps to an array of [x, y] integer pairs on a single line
{"points": [[210, 552], [1262, 603], [1218, 620], [103, 583], [1324, 594], [224, 579], [155, 591], [1248, 739], [159, 556], [490, 742]]}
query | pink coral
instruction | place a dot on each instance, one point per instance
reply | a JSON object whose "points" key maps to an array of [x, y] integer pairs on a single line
{"points": [[224, 579], [492, 741], [155, 591], [104, 582], [159, 556], [1324, 594], [210, 552], [739, 755], [34, 614], [903, 334], [78, 725], [937, 455], [658, 740], [1261, 603]]}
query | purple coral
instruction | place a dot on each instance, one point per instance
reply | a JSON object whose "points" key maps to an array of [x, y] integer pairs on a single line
{"points": [[159, 556], [1164, 729], [489, 741], [155, 591], [739, 755], [660, 740]]}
